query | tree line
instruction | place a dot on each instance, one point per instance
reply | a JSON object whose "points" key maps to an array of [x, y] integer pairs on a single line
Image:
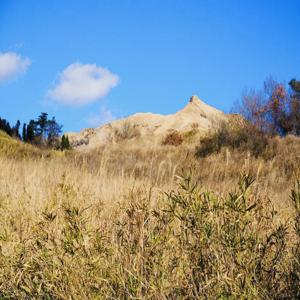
{"points": [[42, 132], [274, 109]]}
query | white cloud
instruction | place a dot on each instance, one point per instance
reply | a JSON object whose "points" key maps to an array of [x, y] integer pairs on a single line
{"points": [[81, 84], [105, 116], [12, 65]]}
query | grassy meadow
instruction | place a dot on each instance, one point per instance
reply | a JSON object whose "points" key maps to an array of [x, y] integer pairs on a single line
{"points": [[133, 222]]}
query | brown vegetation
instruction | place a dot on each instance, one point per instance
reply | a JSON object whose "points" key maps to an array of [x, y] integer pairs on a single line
{"points": [[275, 109], [121, 223], [245, 138], [126, 131], [173, 138]]}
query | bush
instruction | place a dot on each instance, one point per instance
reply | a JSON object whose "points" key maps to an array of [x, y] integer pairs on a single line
{"points": [[173, 138], [65, 143], [246, 138]]}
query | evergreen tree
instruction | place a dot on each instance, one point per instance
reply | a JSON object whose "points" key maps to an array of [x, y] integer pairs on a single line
{"points": [[16, 129], [5, 126], [24, 133], [30, 131], [65, 144], [52, 132], [41, 123], [41, 132]]}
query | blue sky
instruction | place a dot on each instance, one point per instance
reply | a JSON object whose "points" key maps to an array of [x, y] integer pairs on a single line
{"points": [[89, 61]]}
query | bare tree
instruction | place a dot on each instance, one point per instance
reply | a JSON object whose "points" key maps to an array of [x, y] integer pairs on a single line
{"points": [[271, 109]]}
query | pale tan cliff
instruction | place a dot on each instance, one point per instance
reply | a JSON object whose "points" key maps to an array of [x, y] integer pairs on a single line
{"points": [[151, 127]]}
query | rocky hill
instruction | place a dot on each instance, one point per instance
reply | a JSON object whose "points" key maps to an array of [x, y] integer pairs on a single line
{"points": [[151, 127]]}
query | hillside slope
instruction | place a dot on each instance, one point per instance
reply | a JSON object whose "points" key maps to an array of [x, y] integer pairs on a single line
{"points": [[151, 127], [16, 149]]}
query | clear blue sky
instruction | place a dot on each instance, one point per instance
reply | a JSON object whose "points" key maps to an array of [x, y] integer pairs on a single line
{"points": [[157, 54]]}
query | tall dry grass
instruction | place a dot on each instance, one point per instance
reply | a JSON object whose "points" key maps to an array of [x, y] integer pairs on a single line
{"points": [[119, 223]]}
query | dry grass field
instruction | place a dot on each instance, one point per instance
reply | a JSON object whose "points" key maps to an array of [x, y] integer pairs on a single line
{"points": [[132, 222]]}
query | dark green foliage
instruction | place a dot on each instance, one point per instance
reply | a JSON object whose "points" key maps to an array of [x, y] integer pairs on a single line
{"points": [[52, 132], [5, 126], [65, 144], [43, 131], [16, 129], [41, 124], [46, 132], [24, 133], [11, 131], [30, 131]]}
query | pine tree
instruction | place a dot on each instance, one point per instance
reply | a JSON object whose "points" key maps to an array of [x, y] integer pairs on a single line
{"points": [[52, 132], [5, 126], [30, 131], [65, 144], [24, 133], [42, 122], [15, 130]]}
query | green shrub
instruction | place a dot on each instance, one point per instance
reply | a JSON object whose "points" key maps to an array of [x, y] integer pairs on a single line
{"points": [[65, 143]]}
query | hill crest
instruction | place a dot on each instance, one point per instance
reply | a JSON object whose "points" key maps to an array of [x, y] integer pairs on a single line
{"points": [[196, 114]]}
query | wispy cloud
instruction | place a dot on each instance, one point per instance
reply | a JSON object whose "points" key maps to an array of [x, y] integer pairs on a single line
{"points": [[12, 65], [103, 117], [81, 84]]}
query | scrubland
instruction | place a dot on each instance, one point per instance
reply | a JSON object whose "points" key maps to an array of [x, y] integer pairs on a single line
{"points": [[133, 222]]}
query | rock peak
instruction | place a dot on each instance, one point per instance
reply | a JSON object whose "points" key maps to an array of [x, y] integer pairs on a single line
{"points": [[152, 127], [194, 99]]}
